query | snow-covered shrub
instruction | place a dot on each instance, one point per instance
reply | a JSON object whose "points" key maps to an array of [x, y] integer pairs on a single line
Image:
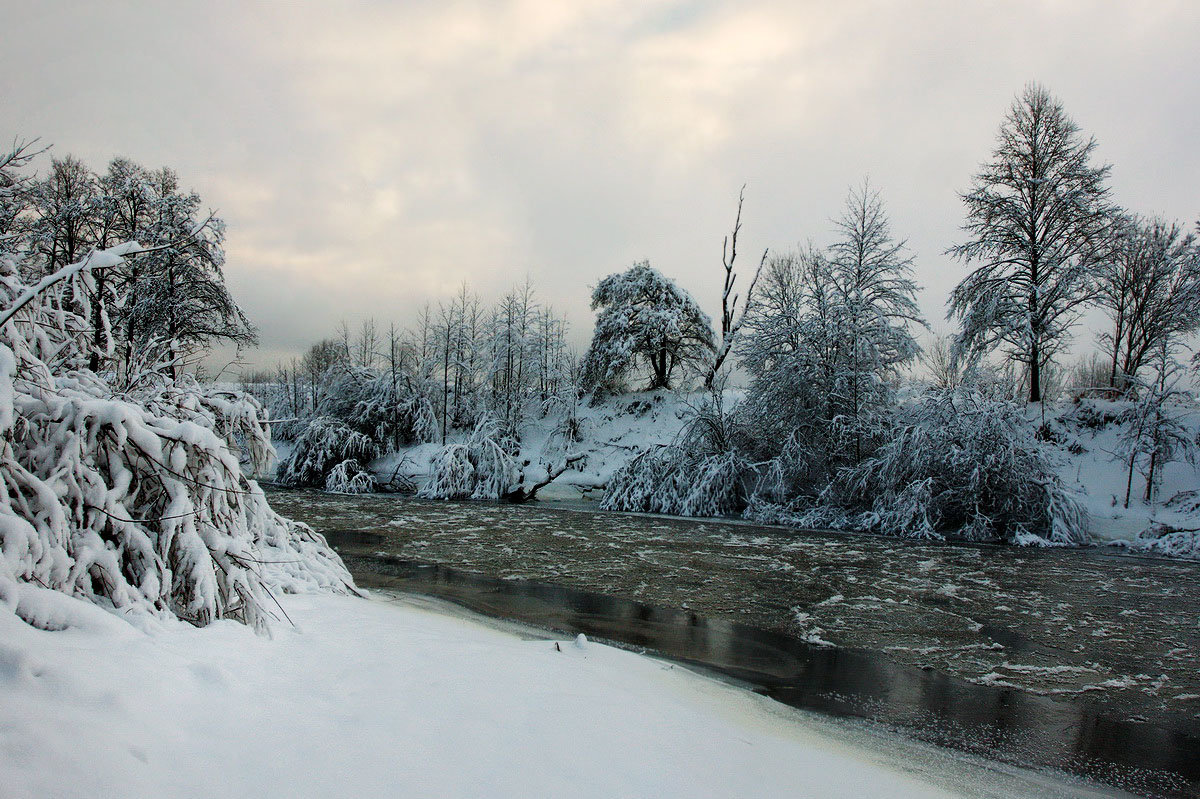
{"points": [[349, 477], [479, 468], [958, 465], [137, 503], [323, 445], [1166, 541], [1088, 413], [668, 480], [373, 404], [700, 474]]}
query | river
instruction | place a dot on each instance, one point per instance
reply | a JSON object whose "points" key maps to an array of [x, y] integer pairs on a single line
{"points": [[1079, 660]]}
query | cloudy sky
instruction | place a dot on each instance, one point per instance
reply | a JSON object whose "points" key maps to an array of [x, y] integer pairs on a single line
{"points": [[368, 157]]}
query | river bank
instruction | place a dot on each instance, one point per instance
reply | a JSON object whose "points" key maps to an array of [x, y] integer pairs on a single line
{"points": [[1110, 634]]}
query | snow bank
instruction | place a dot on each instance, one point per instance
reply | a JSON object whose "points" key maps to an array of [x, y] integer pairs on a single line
{"points": [[1089, 433], [610, 434], [371, 698]]}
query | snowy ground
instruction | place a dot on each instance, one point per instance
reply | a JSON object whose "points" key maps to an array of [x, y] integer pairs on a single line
{"points": [[1101, 477], [392, 698], [612, 433]]}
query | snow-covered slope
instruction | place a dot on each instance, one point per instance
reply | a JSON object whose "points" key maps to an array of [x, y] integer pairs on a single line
{"points": [[610, 434], [375, 698], [1091, 464]]}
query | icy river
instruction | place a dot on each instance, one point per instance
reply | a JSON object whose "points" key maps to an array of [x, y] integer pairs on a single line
{"points": [[1075, 660]]}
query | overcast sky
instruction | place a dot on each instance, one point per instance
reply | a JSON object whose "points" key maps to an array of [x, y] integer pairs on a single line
{"points": [[370, 156]]}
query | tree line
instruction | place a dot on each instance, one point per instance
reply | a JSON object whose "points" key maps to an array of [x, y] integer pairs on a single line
{"points": [[169, 305], [823, 335]]}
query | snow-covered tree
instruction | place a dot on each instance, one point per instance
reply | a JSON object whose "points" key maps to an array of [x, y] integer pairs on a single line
{"points": [[179, 298], [876, 303], [793, 349], [15, 193], [1154, 429], [1039, 221], [64, 207], [139, 504], [644, 317], [1150, 290], [825, 338]]}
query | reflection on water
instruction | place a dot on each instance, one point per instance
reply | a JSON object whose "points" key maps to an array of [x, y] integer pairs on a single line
{"points": [[1093, 642]]}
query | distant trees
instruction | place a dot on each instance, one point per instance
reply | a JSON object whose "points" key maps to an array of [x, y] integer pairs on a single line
{"points": [[1150, 290], [645, 319], [168, 305], [1039, 222], [463, 368]]}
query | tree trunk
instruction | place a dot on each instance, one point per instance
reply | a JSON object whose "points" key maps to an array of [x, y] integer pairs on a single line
{"points": [[1035, 375]]}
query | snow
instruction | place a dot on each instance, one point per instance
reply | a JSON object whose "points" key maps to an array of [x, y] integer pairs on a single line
{"points": [[613, 432], [377, 697], [1100, 479]]}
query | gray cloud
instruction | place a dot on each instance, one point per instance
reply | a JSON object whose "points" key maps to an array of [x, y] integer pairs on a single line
{"points": [[371, 156]]}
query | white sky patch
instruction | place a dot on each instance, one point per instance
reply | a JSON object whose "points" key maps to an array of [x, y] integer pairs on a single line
{"points": [[407, 147]]}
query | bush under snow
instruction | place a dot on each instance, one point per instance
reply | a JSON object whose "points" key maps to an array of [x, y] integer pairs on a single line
{"points": [[958, 465], [137, 503], [349, 477], [700, 474], [1165, 541], [479, 468], [324, 444]]}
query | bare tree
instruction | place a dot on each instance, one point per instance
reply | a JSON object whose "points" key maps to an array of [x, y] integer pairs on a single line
{"points": [[945, 371], [1039, 220], [732, 318], [1150, 290], [366, 346]]}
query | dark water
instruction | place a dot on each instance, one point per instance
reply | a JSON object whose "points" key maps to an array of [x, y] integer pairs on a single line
{"points": [[1065, 660]]}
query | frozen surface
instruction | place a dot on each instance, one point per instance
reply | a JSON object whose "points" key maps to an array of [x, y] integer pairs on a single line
{"points": [[378, 698]]}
